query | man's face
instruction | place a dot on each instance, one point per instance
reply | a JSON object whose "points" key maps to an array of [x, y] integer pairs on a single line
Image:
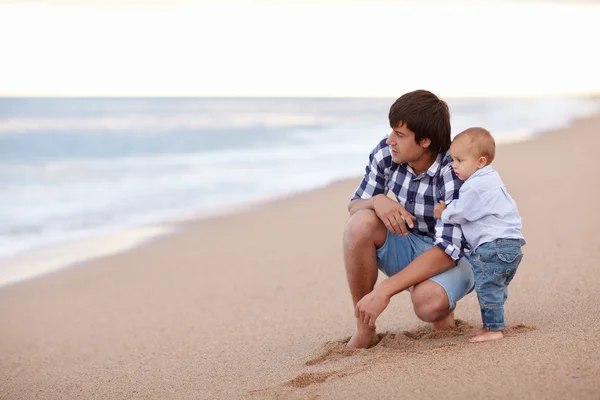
{"points": [[403, 146]]}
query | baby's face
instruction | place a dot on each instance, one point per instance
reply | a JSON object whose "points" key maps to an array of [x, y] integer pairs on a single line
{"points": [[466, 163]]}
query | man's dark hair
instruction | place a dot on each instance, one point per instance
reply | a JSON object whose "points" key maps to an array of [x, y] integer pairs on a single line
{"points": [[426, 115]]}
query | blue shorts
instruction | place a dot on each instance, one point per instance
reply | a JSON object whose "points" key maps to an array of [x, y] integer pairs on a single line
{"points": [[399, 251]]}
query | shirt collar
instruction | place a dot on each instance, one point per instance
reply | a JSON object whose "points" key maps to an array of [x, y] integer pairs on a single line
{"points": [[431, 171], [482, 171], [435, 167]]}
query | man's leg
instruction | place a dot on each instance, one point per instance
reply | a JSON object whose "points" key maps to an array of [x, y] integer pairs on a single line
{"points": [[431, 304], [434, 300], [364, 234]]}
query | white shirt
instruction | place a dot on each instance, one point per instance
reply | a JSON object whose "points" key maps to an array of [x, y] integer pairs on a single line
{"points": [[484, 210]]}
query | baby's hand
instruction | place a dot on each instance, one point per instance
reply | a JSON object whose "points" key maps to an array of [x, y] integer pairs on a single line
{"points": [[439, 209]]}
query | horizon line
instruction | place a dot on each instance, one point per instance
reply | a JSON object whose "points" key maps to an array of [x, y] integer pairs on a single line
{"points": [[242, 96]]}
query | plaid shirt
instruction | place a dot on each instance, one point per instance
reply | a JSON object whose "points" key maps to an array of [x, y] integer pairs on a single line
{"points": [[418, 194]]}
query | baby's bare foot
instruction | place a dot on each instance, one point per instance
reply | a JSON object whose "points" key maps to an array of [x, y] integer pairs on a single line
{"points": [[479, 332], [486, 336]]}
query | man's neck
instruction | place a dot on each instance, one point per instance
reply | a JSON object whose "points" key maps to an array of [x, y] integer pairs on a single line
{"points": [[423, 163]]}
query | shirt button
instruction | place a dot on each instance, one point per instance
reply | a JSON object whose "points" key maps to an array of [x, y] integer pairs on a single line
{"points": [[410, 201]]}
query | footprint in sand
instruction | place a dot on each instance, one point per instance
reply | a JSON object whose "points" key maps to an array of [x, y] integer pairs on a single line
{"points": [[387, 344], [416, 341]]}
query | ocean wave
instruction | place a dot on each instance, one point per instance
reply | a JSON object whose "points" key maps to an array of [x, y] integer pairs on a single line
{"points": [[74, 193], [159, 124]]}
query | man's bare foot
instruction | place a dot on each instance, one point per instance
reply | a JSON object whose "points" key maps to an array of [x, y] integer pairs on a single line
{"points": [[445, 324], [486, 336], [363, 338]]}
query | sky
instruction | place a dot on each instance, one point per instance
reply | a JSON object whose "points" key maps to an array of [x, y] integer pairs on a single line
{"points": [[292, 48]]}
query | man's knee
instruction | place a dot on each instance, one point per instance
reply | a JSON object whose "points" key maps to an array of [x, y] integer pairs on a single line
{"points": [[364, 225], [430, 301]]}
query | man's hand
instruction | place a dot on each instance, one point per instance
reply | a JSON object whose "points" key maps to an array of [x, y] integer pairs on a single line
{"points": [[393, 214], [370, 307], [439, 209]]}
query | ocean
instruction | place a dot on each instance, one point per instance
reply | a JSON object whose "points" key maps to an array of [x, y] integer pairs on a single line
{"points": [[77, 168]]}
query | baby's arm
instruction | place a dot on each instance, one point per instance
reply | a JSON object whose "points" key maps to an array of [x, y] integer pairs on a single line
{"points": [[470, 206], [454, 213], [439, 209]]}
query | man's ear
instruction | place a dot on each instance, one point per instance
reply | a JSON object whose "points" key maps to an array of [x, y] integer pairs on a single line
{"points": [[481, 162], [425, 143]]}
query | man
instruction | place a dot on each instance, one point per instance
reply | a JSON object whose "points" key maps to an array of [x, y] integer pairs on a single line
{"points": [[402, 237]]}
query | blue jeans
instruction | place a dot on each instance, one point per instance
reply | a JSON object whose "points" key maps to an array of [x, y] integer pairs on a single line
{"points": [[399, 251], [494, 265]]}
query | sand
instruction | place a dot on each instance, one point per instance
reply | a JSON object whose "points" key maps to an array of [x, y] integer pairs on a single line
{"points": [[255, 305]]}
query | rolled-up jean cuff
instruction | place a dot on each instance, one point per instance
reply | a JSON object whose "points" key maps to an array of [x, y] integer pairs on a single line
{"points": [[494, 327]]}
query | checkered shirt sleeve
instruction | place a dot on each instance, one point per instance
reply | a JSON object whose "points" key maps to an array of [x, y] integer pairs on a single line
{"points": [[377, 173], [449, 237]]}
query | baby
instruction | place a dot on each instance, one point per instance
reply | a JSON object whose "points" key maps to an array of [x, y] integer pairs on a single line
{"points": [[490, 223]]}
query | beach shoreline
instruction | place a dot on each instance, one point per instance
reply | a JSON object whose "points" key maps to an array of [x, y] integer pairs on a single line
{"points": [[40, 261], [255, 304]]}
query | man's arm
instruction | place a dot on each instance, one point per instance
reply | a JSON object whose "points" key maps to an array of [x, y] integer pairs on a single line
{"points": [[448, 247], [393, 215], [372, 193], [376, 173], [430, 263], [426, 265], [361, 204], [447, 236]]}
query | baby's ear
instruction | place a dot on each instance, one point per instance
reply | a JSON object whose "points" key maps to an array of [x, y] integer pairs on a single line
{"points": [[481, 162]]}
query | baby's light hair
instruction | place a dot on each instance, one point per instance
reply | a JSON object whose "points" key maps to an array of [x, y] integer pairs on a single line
{"points": [[480, 140]]}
